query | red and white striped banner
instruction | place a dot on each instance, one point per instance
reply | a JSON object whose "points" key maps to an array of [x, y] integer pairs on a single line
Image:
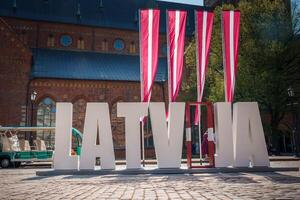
{"points": [[230, 29], [149, 37], [176, 21], [204, 25]]}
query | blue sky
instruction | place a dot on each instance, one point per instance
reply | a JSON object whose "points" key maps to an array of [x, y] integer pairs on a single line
{"points": [[191, 2], [296, 14]]}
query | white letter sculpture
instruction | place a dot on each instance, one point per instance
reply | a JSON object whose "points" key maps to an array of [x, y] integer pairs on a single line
{"points": [[97, 122], [168, 139], [132, 112], [248, 136], [63, 138], [224, 138]]}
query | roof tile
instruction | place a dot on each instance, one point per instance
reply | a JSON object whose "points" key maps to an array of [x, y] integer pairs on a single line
{"points": [[90, 66]]}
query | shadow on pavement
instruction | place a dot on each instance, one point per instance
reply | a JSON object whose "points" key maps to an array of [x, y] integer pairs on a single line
{"points": [[282, 178], [35, 178], [238, 178]]}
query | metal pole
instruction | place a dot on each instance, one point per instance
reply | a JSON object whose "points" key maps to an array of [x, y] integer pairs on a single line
{"points": [[293, 128], [200, 139], [143, 144], [144, 139], [294, 142], [297, 133], [31, 122]]}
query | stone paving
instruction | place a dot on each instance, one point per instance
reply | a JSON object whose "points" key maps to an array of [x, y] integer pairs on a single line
{"points": [[24, 184]]}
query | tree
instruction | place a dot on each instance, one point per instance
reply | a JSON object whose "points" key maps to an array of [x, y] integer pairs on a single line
{"points": [[269, 60]]}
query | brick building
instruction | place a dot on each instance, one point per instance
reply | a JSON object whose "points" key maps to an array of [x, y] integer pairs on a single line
{"points": [[74, 51]]}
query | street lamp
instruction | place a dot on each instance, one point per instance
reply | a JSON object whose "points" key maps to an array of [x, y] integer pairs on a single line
{"points": [[32, 98], [291, 92]]}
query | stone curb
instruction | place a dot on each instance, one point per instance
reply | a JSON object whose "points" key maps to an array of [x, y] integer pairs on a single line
{"points": [[164, 171]]}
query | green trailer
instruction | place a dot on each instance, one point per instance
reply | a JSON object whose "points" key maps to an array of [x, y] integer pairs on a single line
{"points": [[12, 156]]}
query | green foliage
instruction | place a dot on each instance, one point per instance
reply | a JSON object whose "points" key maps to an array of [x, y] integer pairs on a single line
{"points": [[269, 59]]}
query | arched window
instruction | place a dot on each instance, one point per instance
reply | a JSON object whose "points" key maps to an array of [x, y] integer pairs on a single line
{"points": [[80, 43], [46, 117], [50, 41], [79, 107], [118, 128], [104, 45], [132, 48]]}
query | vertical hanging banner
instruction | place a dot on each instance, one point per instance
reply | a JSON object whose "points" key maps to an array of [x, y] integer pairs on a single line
{"points": [[149, 36], [230, 30], [204, 26], [176, 21]]}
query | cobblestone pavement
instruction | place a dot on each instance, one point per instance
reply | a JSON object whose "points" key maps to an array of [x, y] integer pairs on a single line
{"points": [[24, 184]]}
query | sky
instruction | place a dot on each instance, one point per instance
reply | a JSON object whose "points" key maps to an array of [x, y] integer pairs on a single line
{"points": [[191, 2], [295, 4]]}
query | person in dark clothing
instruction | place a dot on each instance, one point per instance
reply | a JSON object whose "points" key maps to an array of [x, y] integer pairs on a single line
{"points": [[193, 149], [204, 144]]}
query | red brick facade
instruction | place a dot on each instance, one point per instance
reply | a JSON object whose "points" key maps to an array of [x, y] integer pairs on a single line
{"points": [[15, 64], [80, 91], [36, 34], [19, 36]]}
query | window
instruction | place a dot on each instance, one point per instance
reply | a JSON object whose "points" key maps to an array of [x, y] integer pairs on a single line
{"points": [[66, 40], [104, 45], [51, 41], [79, 107], [80, 43], [46, 117], [132, 48], [119, 45], [118, 128]]}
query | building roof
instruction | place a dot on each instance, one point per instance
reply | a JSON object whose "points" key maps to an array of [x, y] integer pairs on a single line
{"points": [[90, 66], [121, 14]]}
